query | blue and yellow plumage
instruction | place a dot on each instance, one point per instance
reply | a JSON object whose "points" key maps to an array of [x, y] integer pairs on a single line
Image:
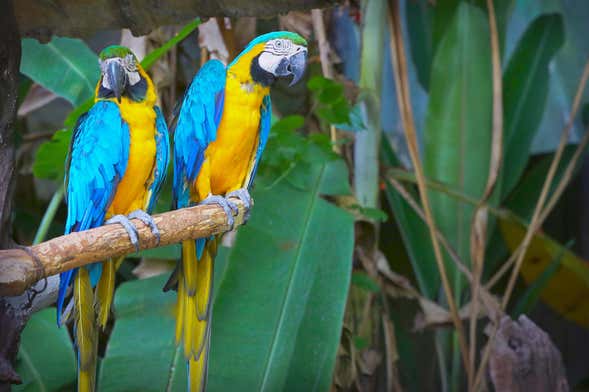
{"points": [[221, 132], [116, 165]]}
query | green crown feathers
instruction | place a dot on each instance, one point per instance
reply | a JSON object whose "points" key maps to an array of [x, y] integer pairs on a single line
{"points": [[114, 51]]}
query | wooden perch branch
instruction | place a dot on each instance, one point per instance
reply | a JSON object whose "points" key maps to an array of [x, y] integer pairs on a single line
{"points": [[20, 268]]}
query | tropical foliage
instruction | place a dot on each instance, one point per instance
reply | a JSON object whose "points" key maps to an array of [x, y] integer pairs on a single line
{"points": [[336, 282]]}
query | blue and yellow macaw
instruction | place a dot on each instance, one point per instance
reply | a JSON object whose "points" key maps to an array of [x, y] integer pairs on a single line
{"points": [[221, 132], [117, 162]]}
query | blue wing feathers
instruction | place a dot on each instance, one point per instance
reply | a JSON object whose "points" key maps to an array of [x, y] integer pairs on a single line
{"points": [[97, 161], [196, 127], [161, 159], [265, 125], [99, 156]]}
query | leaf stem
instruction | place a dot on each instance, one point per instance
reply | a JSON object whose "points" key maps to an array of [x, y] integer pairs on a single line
{"points": [[152, 57], [49, 215]]}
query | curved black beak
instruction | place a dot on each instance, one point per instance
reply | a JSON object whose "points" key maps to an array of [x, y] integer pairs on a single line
{"points": [[293, 65], [298, 63], [117, 78]]}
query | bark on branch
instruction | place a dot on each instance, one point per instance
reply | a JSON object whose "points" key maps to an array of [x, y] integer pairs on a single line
{"points": [[20, 268], [42, 19], [523, 358], [12, 320]]}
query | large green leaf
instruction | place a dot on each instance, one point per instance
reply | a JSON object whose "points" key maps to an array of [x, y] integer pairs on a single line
{"points": [[51, 155], [46, 361], [428, 21], [65, 66], [153, 56], [444, 11], [419, 16], [525, 88], [141, 354], [415, 233], [418, 243], [367, 142], [279, 309], [522, 200], [565, 69], [458, 124]]}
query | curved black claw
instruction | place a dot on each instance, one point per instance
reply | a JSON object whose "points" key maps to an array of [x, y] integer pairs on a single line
{"points": [[148, 220], [131, 229], [229, 207], [67, 313], [243, 195]]}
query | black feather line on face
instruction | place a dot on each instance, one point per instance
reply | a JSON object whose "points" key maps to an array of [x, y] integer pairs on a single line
{"points": [[136, 92], [260, 75]]}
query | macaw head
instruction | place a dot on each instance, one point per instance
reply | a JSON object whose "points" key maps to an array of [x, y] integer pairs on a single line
{"points": [[121, 74], [280, 54]]}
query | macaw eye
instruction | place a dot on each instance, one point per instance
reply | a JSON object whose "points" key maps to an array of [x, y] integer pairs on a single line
{"points": [[279, 44], [129, 63]]}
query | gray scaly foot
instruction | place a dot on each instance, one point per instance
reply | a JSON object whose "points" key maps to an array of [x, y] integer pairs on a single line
{"points": [[243, 195], [229, 207], [129, 227], [147, 220]]}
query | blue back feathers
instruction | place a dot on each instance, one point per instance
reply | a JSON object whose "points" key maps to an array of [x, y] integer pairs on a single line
{"points": [[99, 154], [197, 124], [265, 125]]}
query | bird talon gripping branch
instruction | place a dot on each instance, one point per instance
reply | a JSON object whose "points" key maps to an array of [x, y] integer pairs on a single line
{"points": [[229, 207], [148, 221], [243, 195], [131, 230]]}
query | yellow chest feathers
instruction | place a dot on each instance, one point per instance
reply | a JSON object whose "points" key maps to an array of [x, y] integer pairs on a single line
{"points": [[132, 192], [230, 155]]}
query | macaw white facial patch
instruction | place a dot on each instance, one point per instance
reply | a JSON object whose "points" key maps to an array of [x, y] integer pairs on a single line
{"points": [[131, 69], [269, 61], [133, 77], [279, 47], [275, 51]]}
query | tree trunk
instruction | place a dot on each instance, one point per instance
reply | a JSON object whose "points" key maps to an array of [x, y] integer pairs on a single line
{"points": [[12, 320]]}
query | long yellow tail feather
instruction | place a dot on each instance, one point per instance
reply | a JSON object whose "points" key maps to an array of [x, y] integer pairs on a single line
{"points": [[180, 312], [197, 369], [193, 309], [204, 283], [198, 340], [85, 331], [189, 266], [105, 290], [189, 324]]}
